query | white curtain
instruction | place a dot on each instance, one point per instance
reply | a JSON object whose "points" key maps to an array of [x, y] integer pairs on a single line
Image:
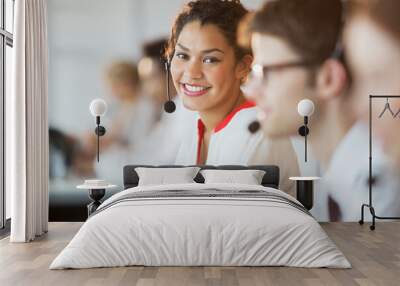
{"points": [[27, 123]]}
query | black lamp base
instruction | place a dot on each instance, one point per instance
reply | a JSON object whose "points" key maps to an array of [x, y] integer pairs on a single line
{"points": [[96, 195], [305, 193]]}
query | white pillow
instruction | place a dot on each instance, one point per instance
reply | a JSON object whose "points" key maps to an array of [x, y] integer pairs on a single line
{"points": [[248, 177], [163, 176]]}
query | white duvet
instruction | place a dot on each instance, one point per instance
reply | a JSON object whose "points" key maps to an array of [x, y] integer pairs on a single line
{"points": [[200, 231]]}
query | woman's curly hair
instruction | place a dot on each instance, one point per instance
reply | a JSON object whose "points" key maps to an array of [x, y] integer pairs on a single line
{"points": [[226, 15]]}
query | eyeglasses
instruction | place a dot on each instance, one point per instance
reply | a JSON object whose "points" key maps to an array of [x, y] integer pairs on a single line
{"points": [[259, 73]]}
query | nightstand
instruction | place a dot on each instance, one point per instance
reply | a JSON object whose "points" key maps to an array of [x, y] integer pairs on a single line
{"points": [[305, 190], [97, 190]]}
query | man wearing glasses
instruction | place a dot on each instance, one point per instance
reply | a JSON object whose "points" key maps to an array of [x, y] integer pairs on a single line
{"points": [[297, 55]]}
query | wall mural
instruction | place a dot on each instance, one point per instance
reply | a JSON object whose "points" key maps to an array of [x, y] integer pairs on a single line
{"points": [[201, 97]]}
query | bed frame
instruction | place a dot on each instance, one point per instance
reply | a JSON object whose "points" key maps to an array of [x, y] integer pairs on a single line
{"points": [[270, 179]]}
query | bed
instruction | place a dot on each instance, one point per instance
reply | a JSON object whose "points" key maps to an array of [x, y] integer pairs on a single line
{"points": [[201, 224]]}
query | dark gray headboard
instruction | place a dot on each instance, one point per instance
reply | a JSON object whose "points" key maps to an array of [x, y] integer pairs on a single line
{"points": [[270, 179]]}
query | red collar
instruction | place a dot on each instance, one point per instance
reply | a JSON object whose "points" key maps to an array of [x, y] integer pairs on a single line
{"points": [[201, 127], [227, 119]]}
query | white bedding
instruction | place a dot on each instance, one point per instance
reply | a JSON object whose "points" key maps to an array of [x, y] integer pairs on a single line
{"points": [[182, 231]]}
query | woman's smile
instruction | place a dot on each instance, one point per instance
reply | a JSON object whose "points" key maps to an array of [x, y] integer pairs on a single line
{"points": [[194, 90]]}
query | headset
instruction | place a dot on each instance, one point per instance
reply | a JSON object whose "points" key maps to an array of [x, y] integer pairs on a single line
{"points": [[169, 105], [254, 126]]}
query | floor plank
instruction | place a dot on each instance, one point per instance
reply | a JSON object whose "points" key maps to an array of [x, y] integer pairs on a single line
{"points": [[375, 257]]}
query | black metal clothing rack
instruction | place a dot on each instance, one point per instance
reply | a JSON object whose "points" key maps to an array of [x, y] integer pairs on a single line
{"points": [[370, 178]]}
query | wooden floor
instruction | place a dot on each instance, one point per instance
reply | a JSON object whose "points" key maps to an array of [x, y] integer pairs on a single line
{"points": [[375, 257]]}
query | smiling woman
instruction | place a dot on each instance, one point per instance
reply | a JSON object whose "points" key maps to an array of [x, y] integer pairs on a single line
{"points": [[205, 71], [208, 68]]}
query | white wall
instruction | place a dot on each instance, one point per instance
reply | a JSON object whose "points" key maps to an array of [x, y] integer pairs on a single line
{"points": [[84, 35]]}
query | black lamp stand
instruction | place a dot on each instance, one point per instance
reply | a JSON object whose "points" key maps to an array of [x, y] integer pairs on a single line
{"points": [[371, 179], [100, 131], [304, 131]]}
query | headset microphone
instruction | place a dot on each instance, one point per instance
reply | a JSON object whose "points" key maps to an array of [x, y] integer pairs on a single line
{"points": [[169, 106], [254, 126]]}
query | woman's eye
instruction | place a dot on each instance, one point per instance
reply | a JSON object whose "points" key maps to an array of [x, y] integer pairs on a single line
{"points": [[210, 60], [181, 56]]}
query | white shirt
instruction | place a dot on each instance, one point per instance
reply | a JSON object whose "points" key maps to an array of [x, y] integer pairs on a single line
{"points": [[346, 179], [162, 144], [232, 144]]}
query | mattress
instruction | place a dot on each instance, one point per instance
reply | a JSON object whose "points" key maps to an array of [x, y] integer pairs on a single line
{"points": [[201, 225]]}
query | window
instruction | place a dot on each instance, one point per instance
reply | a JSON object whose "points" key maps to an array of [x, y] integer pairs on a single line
{"points": [[9, 15], [6, 62]]}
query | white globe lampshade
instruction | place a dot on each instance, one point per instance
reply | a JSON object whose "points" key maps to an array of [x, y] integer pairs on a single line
{"points": [[305, 107], [98, 107]]}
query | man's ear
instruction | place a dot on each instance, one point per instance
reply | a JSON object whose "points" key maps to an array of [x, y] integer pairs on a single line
{"points": [[244, 66], [331, 79]]}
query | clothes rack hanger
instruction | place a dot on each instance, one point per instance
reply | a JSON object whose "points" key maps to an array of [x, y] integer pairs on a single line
{"points": [[387, 107], [397, 114]]}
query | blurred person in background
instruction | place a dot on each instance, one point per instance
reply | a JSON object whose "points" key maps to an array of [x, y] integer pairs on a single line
{"points": [[66, 157], [132, 117], [372, 46], [208, 68], [134, 114], [297, 54]]}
